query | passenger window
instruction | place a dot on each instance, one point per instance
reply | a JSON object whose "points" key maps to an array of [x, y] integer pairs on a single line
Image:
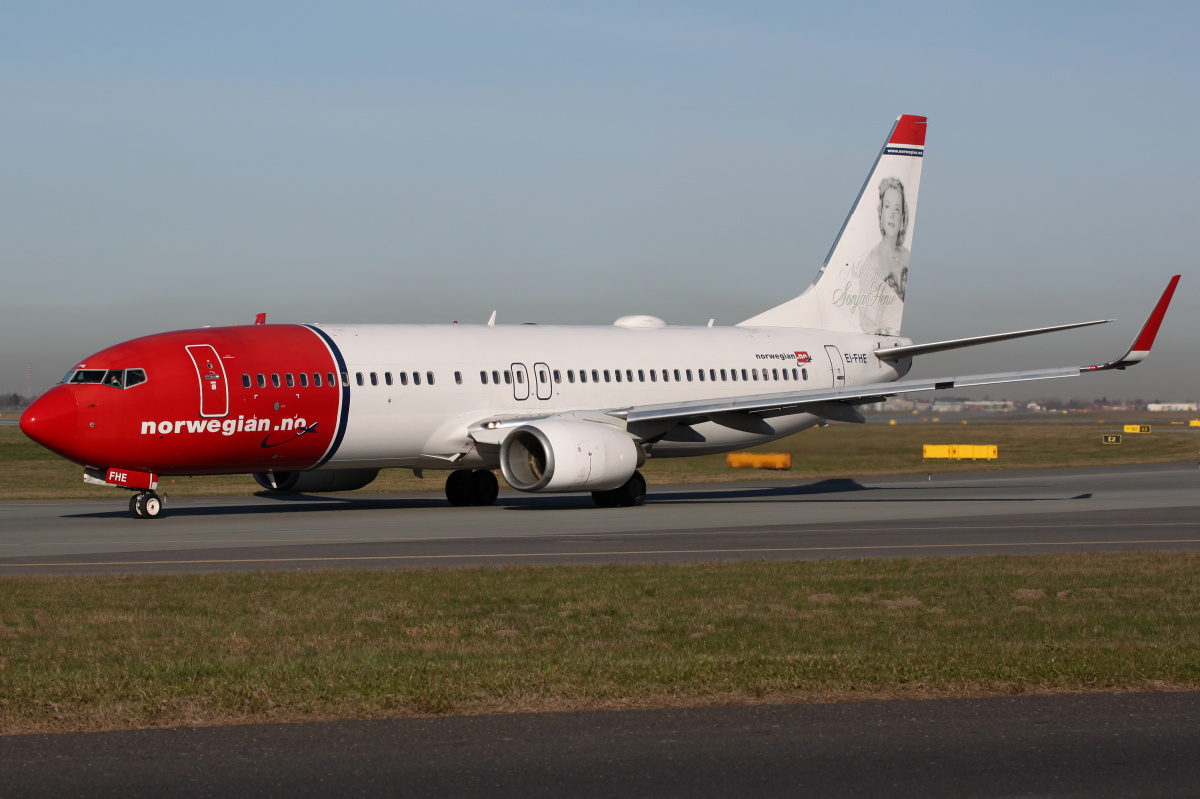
{"points": [[804, 373], [595, 376], [303, 380], [677, 375], [507, 377], [752, 371], [628, 375], [746, 378], [689, 375], [607, 376], [775, 374], [700, 373], [275, 379], [374, 378], [291, 380], [345, 379], [570, 375], [521, 378], [712, 375], [457, 378], [429, 377], [358, 376], [416, 378], [666, 375], [496, 377], [785, 374], [135, 377], [483, 377], [641, 376], [617, 374], [557, 376], [541, 373], [245, 381], [316, 379], [387, 378], [733, 374], [262, 380], [583, 375], [653, 375], [330, 379], [404, 378]]}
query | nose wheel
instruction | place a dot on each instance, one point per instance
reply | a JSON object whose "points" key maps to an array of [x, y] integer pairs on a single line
{"points": [[145, 505]]}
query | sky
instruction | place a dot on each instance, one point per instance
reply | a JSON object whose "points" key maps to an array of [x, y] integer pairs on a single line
{"points": [[166, 166]]}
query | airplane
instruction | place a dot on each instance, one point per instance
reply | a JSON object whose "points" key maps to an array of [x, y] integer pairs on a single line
{"points": [[324, 407]]}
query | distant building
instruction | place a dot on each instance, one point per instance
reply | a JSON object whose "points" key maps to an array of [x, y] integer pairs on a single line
{"points": [[1159, 407]]}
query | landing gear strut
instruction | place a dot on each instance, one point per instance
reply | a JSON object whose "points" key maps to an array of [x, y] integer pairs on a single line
{"points": [[145, 505], [629, 495], [466, 487]]}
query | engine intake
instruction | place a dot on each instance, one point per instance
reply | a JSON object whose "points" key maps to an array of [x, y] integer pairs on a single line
{"points": [[554, 456], [318, 481]]}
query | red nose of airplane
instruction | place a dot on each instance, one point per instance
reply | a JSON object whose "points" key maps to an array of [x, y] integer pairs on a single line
{"points": [[51, 420]]}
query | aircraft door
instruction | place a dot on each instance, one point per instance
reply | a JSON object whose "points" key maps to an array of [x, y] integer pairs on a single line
{"points": [[837, 364], [214, 389], [541, 376], [520, 381]]}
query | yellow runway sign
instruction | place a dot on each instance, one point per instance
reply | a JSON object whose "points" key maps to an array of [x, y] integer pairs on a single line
{"points": [[1137, 428]]}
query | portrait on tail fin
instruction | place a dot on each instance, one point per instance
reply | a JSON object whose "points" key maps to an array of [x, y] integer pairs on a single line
{"points": [[886, 266]]}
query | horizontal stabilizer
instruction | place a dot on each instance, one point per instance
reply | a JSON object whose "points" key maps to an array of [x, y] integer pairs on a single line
{"points": [[900, 353]]}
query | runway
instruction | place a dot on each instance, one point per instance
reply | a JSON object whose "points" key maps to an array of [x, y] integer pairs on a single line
{"points": [[1110, 509], [1100, 745]]}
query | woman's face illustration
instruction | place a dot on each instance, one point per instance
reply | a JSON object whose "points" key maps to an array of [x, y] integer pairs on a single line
{"points": [[891, 215]]}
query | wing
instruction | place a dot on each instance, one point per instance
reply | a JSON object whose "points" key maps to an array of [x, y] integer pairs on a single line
{"points": [[838, 404]]}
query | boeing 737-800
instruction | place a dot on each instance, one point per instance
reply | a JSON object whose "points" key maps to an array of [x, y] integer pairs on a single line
{"points": [[324, 407]]}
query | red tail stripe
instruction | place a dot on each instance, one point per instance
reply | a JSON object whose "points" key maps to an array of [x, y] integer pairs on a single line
{"points": [[1145, 339], [910, 130]]}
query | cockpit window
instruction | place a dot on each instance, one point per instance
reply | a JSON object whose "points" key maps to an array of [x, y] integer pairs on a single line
{"points": [[86, 376], [117, 378]]}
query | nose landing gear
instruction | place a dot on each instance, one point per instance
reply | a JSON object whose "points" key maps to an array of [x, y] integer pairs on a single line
{"points": [[145, 505]]}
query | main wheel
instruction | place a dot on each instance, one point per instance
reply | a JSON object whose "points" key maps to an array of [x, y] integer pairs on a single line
{"points": [[133, 509], [605, 499], [459, 487], [632, 493], [484, 487]]}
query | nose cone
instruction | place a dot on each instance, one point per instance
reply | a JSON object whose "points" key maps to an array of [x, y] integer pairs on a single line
{"points": [[51, 420]]}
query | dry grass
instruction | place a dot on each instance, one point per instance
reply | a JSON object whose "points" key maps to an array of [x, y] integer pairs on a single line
{"points": [[29, 472], [148, 651]]}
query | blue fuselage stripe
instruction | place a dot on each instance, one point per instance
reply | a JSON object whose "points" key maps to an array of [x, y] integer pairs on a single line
{"points": [[344, 416]]}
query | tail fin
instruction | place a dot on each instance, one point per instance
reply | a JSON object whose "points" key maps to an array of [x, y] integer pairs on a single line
{"points": [[861, 285]]}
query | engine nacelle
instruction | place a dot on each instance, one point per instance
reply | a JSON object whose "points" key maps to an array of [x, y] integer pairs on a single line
{"points": [[317, 482], [568, 455]]}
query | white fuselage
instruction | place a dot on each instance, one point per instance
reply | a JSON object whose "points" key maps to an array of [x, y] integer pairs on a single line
{"points": [[419, 425]]}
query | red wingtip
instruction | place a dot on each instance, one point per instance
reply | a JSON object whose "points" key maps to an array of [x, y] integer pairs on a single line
{"points": [[910, 131], [1145, 339]]}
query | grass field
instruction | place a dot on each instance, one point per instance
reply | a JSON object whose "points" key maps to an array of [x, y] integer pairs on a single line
{"points": [[29, 472], [146, 651]]}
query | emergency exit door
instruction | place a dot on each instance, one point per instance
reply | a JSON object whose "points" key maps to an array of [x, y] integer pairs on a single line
{"points": [[837, 364], [214, 389]]}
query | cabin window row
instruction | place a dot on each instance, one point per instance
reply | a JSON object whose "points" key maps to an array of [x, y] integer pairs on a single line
{"points": [[655, 375], [278, 380], [402, 377]]}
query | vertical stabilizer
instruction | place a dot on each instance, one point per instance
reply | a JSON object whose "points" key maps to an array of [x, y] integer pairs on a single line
{"points": [[861, 285]]}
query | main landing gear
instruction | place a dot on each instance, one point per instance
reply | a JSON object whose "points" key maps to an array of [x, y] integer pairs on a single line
{"points": [[632, 493], [466, 487], [145, 505]]}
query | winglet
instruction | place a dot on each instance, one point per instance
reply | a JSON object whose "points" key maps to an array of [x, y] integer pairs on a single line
{"points": [[1145, 337]]}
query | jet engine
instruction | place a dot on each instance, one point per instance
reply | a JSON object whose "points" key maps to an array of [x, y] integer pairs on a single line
{"points": [[567, 455], [317, 482]]}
